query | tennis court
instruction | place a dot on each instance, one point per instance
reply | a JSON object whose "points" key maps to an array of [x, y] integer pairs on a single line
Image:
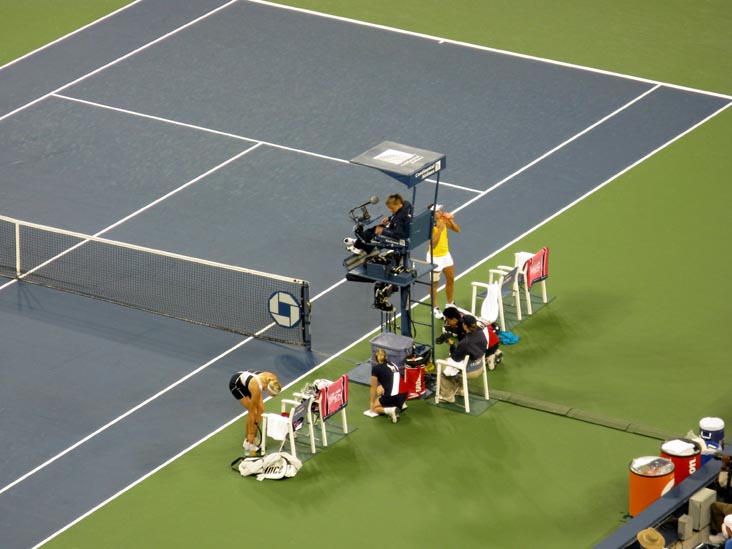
{"points": [[244, 161]]}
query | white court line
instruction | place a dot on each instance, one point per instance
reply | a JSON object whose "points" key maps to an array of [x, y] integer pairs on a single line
{"points": [[62, 38], [487, 48], [560, 146], [194, 127], [111, 63], [231, 135]]}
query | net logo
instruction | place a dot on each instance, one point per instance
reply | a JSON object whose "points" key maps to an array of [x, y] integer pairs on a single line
{"points": [[284, 309]]}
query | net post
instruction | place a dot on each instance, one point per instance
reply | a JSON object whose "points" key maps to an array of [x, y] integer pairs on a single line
{"points": [[17, 249], [305, 300]]}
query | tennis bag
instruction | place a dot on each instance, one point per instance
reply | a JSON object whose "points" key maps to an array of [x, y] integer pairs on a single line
{"points": [[420, 356], [274, 466], [415, 366]]}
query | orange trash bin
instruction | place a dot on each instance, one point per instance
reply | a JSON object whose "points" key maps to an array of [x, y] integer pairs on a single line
{"points": [[650, 478]]}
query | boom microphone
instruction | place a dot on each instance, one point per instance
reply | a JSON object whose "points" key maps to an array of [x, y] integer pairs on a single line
{"points": [[365, 215], [372, 200]]}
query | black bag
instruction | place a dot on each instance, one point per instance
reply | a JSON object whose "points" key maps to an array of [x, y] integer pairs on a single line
{"points": [[420, 356]]}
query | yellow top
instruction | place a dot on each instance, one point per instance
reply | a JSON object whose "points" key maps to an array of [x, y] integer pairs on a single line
{"points": [[441, 248]]}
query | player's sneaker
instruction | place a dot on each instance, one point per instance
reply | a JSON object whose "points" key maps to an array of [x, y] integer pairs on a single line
{"points": [[717, 539], [250, 448], [349, 241], [393, 413], [438, 313]]}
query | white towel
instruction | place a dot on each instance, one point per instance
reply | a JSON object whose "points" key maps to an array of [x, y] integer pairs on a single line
{"points": [[277, 426], [489, 309], [678, 447]]}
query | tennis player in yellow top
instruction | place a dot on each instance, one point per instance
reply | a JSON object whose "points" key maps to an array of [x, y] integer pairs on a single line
{"points": [[439, 254]]}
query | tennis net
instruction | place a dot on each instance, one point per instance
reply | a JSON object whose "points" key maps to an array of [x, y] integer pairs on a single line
{"points": [[221, 296]]}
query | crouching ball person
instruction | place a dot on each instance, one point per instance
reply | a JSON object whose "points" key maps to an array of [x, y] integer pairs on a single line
{"points": [[250, 388], [386, 384], [474, 344]]}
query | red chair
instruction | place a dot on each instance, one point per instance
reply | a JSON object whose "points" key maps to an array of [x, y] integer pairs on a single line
{"points": [[533, 268]]}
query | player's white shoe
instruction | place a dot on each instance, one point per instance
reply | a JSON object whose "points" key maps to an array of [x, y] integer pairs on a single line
{"points": [[392, 413], [250, 448]]}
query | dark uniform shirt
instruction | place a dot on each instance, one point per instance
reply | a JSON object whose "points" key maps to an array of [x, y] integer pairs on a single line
{"points": [[474, 344], [398, 226]]}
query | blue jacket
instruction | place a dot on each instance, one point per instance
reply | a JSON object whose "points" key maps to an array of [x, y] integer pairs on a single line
{"points": [[398, 226]]}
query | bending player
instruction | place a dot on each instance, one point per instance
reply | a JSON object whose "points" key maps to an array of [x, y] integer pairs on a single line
{"points": [[249, 388]]}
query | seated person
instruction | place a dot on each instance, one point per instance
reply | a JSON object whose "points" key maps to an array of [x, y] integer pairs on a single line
{"points": [[388, 394], [395, 226], [650, 538], [720, 509], [473, 344], [452, 329]]}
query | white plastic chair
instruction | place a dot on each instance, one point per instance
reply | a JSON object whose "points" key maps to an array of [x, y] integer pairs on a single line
{"points": [[463, 367], [502, 283], [284, 426]]}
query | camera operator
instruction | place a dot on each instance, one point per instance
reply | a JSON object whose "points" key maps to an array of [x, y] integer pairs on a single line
{"points": [[452, 328], [721, 509], [473, 344]]}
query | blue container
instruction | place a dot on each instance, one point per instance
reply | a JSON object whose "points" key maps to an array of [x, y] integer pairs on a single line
{"points": [[397, 347], [711, 430]]}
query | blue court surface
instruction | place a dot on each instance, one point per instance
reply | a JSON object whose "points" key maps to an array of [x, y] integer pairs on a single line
{"points": [[223, 131]]}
